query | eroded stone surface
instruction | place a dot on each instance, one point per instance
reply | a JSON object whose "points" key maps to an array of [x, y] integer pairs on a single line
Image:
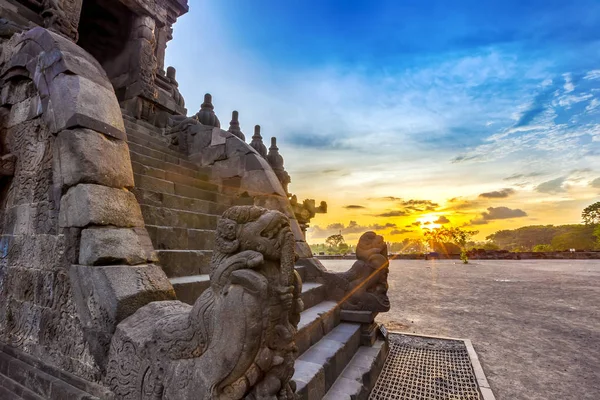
{"points": [[364, 286], [88, 204], [102, 246], [86, 156]]}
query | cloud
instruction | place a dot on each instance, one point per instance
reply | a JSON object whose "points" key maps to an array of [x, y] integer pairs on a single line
{"points": [[462, 204], [386, 198], [498, 194], [353, 227], [521, 176], [595, 183], [419, 205], [400, 231], [354, 207], [552, 186], [379, 227], [441, 220], [495, 213], [395, 213], [416, 223]]}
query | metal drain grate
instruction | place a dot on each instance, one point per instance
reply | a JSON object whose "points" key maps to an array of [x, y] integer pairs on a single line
{"points": [[420, 368]]}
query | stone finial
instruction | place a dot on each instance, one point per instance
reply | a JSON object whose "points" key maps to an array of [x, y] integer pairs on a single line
{"points": [[257, 142], [234, 126], [275, 159], [207, 115], [171, 73]]}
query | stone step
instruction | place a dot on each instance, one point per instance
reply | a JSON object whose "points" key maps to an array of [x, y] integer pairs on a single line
{"points": [[189, 288], [313, 293], [194, 171], [129, 118], [19, 370], [173, 177], [360, 375], [162, 216], [182, 263], [170, 238], [157, 199], [301, 271], [316, 322], [163, 186], [189, 284], [11, 390], [156, 133], [317, 369], [143, 139], [159, 155]]}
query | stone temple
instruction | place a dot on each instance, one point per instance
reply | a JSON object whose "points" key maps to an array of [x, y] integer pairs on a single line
{"points": [[151, 253]]}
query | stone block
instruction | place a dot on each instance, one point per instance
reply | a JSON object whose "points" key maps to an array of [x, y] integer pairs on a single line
{"points": [[14, 92], [262, 183], [363, 317], [302, 249], [86, 156], [25, 110], [117, 291], [76, 101], [88, 204], [115, 246]]}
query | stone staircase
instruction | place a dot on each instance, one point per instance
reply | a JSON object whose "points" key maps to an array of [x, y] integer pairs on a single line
{"points": [[181, 208], [332, 363]]}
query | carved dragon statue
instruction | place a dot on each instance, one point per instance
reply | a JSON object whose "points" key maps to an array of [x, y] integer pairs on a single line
{"points": [[364, 286], [237, 340]]}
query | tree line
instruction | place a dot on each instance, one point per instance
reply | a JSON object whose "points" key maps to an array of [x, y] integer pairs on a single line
{"points": [[454, 240]]}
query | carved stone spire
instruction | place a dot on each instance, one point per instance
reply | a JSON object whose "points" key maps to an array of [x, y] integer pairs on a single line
{"points": [[234, 126], [207, 115], [257, 142], [275, 159], [276, 162]]}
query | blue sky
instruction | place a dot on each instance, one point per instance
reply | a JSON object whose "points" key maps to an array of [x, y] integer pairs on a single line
{"points": [[419, 100]]}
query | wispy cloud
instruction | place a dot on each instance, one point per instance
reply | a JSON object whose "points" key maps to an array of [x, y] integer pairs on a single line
{"points": [[495, 213], [498, 194], [552, 186]]}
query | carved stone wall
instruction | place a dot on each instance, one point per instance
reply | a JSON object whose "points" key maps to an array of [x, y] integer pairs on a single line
{"points": [[75, 258]]}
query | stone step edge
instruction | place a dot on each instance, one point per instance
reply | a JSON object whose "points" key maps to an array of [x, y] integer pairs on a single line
{"points": [[313, 293], [180, 210], [147, 125], [17, 390], [186, 164], [142, 139], [316, 322], [181, 187], [180, 196], [164, 171], [183, 284], [54, 373], [318, 368], [174, 177], [360, 375]]}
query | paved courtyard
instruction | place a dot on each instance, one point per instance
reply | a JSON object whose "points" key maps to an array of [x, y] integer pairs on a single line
{"points": [[535, 324]]}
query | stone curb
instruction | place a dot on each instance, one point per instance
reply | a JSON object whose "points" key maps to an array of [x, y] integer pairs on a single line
{"points": [[482, 382]]}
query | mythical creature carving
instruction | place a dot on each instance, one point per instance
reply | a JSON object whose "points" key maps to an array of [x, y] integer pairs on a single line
{"points": [[7, 165], [364, 286], [237, 340], [56, 19]]}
